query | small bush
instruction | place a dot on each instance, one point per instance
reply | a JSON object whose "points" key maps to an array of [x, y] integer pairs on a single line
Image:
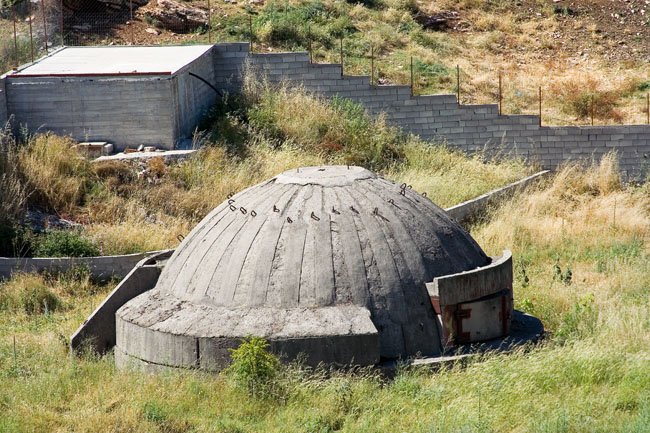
{"points": [[253, 369], [582, 97], [61, 243], [154, 412]]}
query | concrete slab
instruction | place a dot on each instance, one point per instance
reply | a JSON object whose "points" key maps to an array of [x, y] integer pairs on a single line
{"points": [[167, 154], [117, 60]]}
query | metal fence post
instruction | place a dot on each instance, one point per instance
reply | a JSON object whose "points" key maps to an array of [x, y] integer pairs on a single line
{"points": [[62, 35], [31, 36], [44, 25], [648, 107], [209, 23], [311, 59], [458, 83], [500, 95], [13, 15], [540, 106], [372, 64], [341, 56], [592, 110], [131, 22], [411, 75], [250, 31]]}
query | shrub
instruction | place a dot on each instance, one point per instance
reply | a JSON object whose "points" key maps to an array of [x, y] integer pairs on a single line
{"points": [[61, 243], [253, 369], [580, 97]]}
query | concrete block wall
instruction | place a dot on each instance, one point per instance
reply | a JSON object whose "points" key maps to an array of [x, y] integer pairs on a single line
{"points": [[3, 103], [193, 97], [434, 117], [124, 111]]}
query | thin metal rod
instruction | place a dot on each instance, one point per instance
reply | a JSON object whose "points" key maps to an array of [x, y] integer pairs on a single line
{"points": [[31, 37], [341, 55], [61, 14], [648, 107], [13, 14], [458, 83], [209, 23], [540, 105], [411, 75], [250, 31], [592, 110], [44, 25], [372, 65], [500, 94], [131, 22], [311, 59]]}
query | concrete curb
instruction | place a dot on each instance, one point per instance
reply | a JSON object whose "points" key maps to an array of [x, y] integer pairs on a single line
{"points": [[469, 210], [100, 267]]}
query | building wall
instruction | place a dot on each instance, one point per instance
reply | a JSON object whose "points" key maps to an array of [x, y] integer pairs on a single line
{"points": [[3, 103], [123, 111], [193, 97], [468, 127]]}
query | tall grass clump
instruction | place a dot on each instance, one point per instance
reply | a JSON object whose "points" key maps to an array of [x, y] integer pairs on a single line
{"points": [[587, 224], [12, 188], [55, 173]]}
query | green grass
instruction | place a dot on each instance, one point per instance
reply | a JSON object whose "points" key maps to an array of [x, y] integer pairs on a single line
{"points": [[590, 375]]}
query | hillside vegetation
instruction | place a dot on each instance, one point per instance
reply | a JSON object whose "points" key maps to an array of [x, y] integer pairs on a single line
{"points": [[588, 56], [128, 207]]}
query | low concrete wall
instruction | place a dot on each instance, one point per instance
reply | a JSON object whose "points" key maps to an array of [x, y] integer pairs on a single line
{"points": [[3, 104], [475, 284], [469, 210], [100, 267], [98, 331]]}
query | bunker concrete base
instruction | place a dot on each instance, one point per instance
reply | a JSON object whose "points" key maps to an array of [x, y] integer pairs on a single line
{"points": [[157, 330]]}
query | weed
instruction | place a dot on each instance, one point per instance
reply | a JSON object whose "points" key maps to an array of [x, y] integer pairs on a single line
{"points": [[253, 369]]}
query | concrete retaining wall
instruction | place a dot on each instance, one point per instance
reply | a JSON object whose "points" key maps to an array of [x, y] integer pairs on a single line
{"points": [[100, 267], [467, 127]]}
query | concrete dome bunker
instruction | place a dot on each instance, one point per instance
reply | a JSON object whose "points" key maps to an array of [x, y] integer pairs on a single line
{"points": [[334, 262]]}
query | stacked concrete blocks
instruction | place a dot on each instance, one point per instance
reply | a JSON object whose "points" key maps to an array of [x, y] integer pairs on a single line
{"points": [[470, 128]]}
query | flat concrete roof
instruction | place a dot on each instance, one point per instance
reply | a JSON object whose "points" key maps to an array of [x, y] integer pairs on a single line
{"points": [[98, 61]]}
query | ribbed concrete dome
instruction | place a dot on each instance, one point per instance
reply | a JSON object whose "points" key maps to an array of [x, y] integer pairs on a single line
{"points": [[326, 236]]}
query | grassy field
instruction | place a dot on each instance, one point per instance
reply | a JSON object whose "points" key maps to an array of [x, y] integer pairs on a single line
{"points": [[133, 207], [580, 243]]}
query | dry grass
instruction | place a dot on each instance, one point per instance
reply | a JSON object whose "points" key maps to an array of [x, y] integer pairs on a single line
{"points": [[55, 172]]}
